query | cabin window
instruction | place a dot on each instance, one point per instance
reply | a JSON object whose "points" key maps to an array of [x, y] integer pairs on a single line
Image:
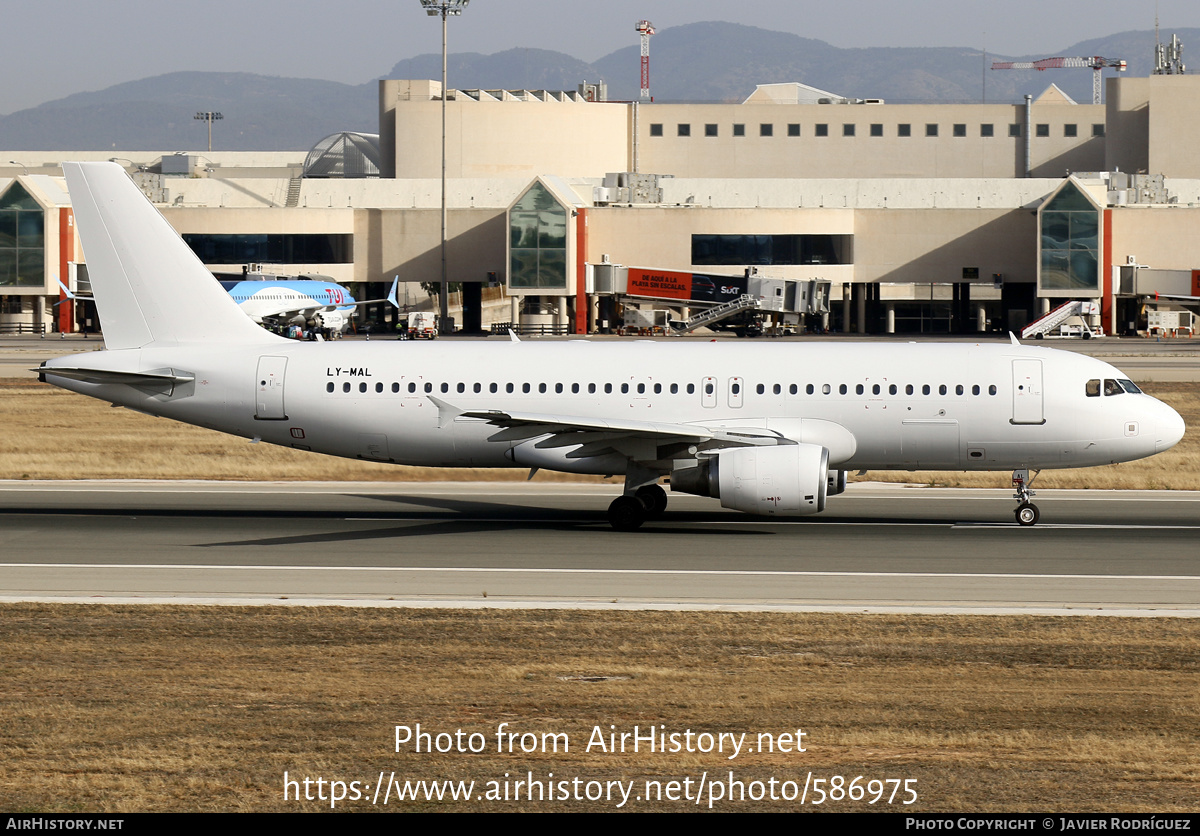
{"points": [[778, 390], [378, 388], [875, 389], [892, 389], [736, 388], [908, 390], [328, 387], [842, 389], [793, 389], [525, 388], [624, 388], [674, 388], [428, 387], [493, 388], [345, 387], [808, 389], [362, 388], [992, 389], [691, 389], [760, 389], [958, 390], [462, 387], [942, 389], [826, 389], [608, 388], [478, 388], [591, 388], [558, 388], [508, 387], [708, 388], [542, 388], [925, 389]]}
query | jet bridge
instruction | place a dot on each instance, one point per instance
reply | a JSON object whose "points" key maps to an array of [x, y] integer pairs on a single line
{"points": [[707, 299]]}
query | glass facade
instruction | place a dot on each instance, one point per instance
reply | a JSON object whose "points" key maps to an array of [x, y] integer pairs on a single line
{"points": [[1069, 225], [537, 230], [743, 250], [22, 240], [272, 249]]}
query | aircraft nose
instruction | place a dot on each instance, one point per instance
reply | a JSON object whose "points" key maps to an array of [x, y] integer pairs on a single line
{"points": [[1168, 428]]}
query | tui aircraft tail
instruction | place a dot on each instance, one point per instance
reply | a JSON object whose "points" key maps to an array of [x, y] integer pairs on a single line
{"points": [[149, 286]]}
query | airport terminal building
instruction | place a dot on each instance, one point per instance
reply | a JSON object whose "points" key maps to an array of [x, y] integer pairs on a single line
{"points": [[918, 218]]}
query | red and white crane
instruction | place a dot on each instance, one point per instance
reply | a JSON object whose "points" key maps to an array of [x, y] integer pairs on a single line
{"points": [[1095, 63], [645, 28]]}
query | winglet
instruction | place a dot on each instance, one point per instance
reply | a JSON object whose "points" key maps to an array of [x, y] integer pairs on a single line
{"points": [[446, 412], [512, 336], [65, 289], [392, 296], [1014, 339]]}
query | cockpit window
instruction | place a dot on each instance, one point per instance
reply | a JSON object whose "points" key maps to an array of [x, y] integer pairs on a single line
{"points": [[1093, 388], [1130, 387], [1111, 387]]}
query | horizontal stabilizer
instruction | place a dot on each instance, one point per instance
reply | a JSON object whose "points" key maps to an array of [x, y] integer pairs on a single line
{"points": [[162, 376]]}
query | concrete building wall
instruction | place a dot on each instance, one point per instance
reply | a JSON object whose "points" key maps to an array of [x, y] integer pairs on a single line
{"points": [[865, 140], [1174, 126], [511, 139], [1162, 237], [934, 245], [407, 243]]}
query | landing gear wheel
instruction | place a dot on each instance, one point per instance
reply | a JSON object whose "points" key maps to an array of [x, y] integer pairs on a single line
{"points": [[626, 513], [654, 498], [1028, 514]]}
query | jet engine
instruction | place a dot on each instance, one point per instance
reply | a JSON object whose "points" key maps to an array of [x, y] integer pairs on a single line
{"points": [[782, 479], [333, 320]]}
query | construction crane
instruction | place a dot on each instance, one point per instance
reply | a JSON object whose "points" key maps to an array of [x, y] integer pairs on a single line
{"points": [[645, 28], [1094, 63]]}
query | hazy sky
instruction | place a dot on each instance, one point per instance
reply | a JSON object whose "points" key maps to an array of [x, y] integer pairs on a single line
{"points": [[54, 49]]}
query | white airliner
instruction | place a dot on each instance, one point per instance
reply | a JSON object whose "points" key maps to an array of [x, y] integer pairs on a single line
{"points": [[767, 429]]}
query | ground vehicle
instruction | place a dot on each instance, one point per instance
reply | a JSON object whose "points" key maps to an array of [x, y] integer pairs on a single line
{"points": [[422, 325]]}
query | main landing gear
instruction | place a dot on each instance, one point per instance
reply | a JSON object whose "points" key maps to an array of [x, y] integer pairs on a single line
{"points": [[1026, 513], [628, 512]]}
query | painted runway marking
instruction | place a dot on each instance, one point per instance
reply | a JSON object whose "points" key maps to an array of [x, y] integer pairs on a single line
{"points": [[565, 571]]}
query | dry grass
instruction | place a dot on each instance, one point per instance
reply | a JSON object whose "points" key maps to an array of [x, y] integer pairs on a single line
{"points": [[52, 443], [986, 713]]}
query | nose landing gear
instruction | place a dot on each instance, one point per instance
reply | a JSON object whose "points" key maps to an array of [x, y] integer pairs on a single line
{"points": [[1026, 512]]}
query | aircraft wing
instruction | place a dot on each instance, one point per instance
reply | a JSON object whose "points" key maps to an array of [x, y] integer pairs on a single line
{"points": [[639, 441]]}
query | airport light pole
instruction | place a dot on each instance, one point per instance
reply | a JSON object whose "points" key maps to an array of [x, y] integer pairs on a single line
{"points": [[444, 9], [209, 117]]}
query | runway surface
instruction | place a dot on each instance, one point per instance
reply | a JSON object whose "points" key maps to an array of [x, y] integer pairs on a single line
{"points": [[543, 544]]}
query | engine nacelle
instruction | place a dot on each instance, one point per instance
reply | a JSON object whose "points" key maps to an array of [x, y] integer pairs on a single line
{"points": [[333, 320], [783, 479]]}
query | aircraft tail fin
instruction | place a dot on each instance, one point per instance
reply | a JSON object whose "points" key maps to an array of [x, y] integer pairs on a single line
{"points": [[148, 285]]}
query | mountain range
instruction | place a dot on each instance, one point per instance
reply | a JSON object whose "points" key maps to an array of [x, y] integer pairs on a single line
{"points": [[703, 62]]}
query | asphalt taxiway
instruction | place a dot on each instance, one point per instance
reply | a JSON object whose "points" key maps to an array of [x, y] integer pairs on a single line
{"points": [[876, 548]]}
